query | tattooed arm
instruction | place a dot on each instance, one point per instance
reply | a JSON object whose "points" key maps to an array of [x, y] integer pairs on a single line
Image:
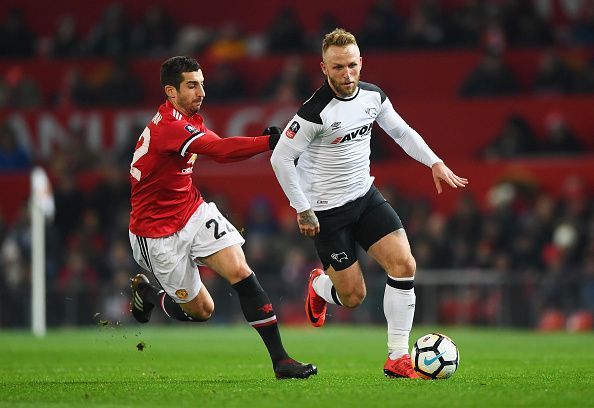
{"points": [[308, 223]]}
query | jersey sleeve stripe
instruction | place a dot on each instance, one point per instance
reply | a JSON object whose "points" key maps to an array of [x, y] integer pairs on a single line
{"points": [[184, 147]]}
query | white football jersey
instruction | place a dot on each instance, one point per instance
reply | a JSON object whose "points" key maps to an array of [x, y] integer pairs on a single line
{"points": [[331, 138]]}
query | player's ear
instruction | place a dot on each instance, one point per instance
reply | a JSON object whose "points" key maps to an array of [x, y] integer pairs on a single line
{"points": [[170, 91], [324, 69]]}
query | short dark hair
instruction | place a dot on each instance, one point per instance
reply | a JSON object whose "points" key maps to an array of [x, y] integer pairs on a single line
{"points": [[172, 69]]}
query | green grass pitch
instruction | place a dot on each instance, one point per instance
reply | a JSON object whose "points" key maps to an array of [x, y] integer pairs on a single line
{"points": [[227, 366]]}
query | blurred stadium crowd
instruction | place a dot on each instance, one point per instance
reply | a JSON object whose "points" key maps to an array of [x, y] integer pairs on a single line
{"points": [[493, 26], [538, 245]]}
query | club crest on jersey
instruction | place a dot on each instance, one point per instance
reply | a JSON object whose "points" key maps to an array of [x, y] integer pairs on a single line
{"points": [[372, 112], [362, 131], [191, 129], [292, 130]]}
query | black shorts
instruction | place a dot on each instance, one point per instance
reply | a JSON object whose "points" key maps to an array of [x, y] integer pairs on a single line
{"points": [[363, 221]]}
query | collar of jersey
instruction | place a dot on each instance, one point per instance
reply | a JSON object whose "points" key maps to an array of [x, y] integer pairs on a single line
{"points": [[171, 106], [327, 85]]}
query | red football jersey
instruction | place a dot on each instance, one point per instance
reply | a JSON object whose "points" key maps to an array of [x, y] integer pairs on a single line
{"points": [[163, 197]]}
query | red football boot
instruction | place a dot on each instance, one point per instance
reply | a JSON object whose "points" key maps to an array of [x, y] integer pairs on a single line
{"points": [[315, 305], [400, 368]]}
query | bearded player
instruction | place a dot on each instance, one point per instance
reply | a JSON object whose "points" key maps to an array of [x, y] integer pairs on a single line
{"points": [[336, 202]]}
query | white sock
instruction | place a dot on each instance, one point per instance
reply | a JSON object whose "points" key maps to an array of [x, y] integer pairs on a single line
{"points": [[323, 287], [399, 309]]}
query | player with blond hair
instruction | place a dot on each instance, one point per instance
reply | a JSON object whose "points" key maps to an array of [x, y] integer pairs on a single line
{"points": [[337, 204]]}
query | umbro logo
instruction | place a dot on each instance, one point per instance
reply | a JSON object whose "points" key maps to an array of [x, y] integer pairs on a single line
{"points": [[335, 125]]}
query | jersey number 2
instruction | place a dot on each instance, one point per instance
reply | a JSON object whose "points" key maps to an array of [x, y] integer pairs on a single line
{"points": [[217, 234], [141, 151]]}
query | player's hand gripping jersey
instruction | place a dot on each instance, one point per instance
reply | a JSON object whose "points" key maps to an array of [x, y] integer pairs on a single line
{"points": [[163, 197], [331, 137]]}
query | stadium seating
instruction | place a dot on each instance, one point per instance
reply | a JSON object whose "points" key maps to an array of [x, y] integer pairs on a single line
{"points": [[423, 84]]}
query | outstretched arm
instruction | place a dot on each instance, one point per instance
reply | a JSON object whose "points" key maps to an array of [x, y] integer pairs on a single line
{"points": [[406, 137], [229, 149], [414, 145]]}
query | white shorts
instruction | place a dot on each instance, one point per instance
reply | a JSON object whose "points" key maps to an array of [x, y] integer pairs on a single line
{"points": [[173, 259]]}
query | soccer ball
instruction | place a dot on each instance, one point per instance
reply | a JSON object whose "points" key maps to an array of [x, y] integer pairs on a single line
{"points": [[435, 356]]}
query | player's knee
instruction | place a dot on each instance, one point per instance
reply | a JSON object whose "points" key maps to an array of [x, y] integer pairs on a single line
{"points": [[206, 312], [410, 267], [201, 312], [239, 271], [352, 299], [405, 267], [200, 317]]}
